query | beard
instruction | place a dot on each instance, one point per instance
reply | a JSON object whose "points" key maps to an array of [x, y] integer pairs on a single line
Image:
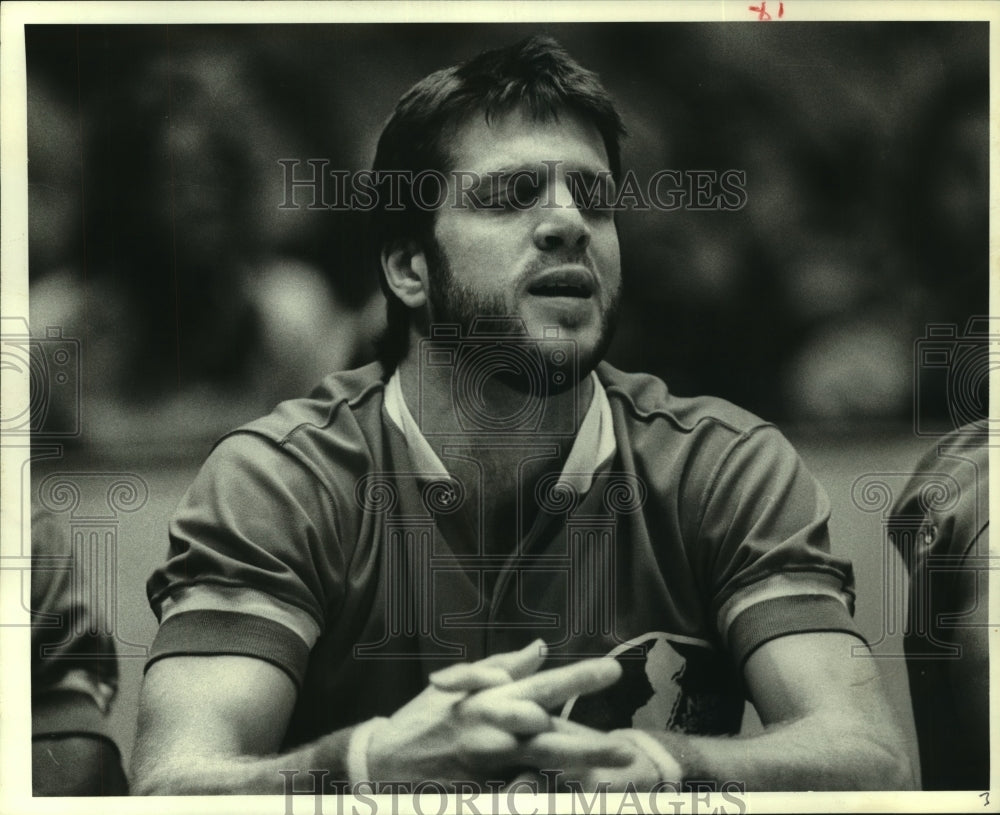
{"points": [[452, 302]]}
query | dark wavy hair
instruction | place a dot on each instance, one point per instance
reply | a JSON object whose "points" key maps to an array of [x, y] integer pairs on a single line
{"points": [[536, 74]]}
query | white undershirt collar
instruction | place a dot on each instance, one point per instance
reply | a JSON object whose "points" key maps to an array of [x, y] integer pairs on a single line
{"points": [[593, 446]]}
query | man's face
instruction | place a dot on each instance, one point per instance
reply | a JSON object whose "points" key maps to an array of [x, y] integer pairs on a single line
{"points": [[533, 252]]}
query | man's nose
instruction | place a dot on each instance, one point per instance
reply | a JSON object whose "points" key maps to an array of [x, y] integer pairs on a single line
{"points": [[561, 224]]}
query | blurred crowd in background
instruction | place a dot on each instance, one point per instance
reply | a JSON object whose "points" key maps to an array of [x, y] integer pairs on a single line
{"points": [[157, 236]]}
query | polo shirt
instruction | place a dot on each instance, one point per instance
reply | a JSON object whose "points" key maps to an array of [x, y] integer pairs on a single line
{"points": [[680, 535]]}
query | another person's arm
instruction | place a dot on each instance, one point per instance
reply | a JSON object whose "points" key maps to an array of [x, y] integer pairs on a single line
{"points": [[74, 673], [969, 674]]}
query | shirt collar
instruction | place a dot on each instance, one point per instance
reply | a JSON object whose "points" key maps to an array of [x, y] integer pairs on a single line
{"points": [[593, 446]]}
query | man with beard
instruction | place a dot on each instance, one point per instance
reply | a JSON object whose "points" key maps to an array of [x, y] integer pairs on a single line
{"points": [[418, 574]]}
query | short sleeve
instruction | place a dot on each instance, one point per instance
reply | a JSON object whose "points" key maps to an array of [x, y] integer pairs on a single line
{"points": [[253, 562], [764, 520]]}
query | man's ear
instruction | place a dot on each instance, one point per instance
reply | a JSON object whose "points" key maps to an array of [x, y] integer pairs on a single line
{"points": [[405, 271]]}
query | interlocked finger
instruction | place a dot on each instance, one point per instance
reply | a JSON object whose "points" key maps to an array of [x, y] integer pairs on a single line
{"points": [[569, 750], [517, 716], [468, 677], [554, 687], [484, 742], [492, 671]]}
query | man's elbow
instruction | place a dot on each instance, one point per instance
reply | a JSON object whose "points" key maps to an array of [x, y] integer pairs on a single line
{"points": [[151, 783], [887, 761], [152, 777], [145, 786], [870, 754], [893, 768]]}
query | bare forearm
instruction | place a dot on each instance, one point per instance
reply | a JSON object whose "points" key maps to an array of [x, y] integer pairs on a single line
{"points": [[819, 753], [302, 770], [225, 742]]}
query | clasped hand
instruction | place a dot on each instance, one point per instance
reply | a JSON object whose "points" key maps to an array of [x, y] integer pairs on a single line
{"points": [[490, 721]]}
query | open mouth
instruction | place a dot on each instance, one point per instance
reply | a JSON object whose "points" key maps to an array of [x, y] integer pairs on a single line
{"points": [[560, 290], [562, 284]]}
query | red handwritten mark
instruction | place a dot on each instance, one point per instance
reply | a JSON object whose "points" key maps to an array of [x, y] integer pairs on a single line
{"points": [[764, 14]]}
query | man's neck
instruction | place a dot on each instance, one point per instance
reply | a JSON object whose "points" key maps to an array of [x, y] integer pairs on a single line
{"points": [[510, 461], [486, 414]]}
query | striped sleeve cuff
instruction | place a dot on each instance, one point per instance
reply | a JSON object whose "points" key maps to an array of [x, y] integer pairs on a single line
{"points": [[242, 600], [226, 633], [781, 616], [782, 584]]}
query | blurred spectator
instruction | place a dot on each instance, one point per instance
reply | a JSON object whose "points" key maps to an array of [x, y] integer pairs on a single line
{"points": [[54, 147], [191, 318], [945, 231], [74, 673]]}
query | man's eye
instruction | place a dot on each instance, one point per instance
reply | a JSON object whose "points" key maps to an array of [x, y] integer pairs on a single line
{"points": [[593, 195], [515, 194], [523, 192]]}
